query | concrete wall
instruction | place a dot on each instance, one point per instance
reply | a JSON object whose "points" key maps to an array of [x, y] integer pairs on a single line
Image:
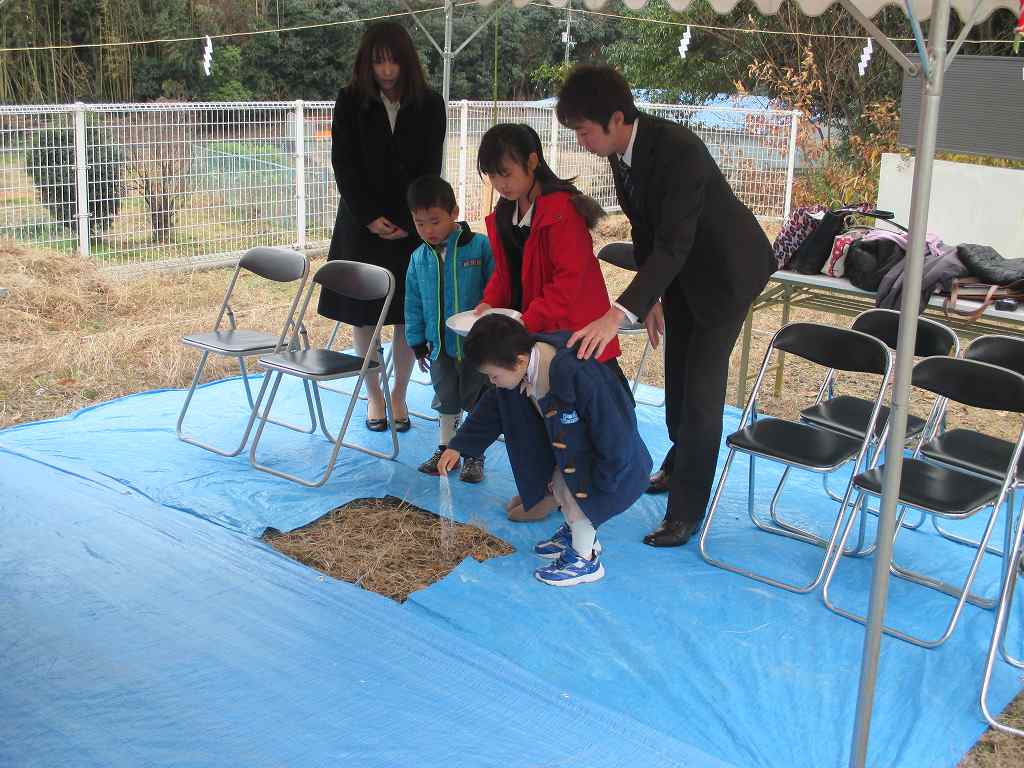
{"points": [[969, 203]]}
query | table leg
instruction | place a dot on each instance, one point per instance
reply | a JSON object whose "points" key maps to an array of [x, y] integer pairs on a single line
{"points": [[787, 294], [741, 381]]}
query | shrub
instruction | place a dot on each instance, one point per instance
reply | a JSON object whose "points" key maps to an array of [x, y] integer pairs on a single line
{"points": [[51, 163]]}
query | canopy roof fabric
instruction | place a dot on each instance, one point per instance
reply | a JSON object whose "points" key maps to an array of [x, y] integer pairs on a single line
{"points": [[922, 8]]}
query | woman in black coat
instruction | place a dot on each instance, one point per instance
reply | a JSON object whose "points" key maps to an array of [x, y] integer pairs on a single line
{"points": [[388, 130]]}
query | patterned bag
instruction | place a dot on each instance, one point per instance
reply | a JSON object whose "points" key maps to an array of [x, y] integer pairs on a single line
{"points": [[800, 225]]}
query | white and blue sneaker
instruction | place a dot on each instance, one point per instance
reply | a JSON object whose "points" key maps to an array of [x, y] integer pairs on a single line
{"points": [[570, 569], [551, 549]]}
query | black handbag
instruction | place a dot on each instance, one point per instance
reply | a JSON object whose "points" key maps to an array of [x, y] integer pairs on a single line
{"points": [[814, 251]]}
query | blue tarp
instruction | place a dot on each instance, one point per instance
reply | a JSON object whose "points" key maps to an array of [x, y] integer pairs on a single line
{"points": [[144, 623]]}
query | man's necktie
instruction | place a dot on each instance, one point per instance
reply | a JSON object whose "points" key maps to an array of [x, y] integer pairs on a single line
{"points": [[626, 176]]}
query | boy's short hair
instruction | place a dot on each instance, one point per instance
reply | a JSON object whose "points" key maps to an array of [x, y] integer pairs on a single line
{"points": [[496, 339], [430, 191], [594, 93]]}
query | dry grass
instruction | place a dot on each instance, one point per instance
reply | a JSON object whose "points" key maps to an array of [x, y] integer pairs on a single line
{"points": [[71, 336], [386, 545], [1000, 750]]}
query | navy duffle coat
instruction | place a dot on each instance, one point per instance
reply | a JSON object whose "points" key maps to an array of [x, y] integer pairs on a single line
{"points": [[588, 429]]}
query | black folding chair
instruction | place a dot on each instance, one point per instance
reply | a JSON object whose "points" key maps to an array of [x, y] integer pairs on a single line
{"points": [[801, 445], [849, 414], [280, 265], [943, 490], [972, 451], [357, 281], [997, 645], [620, 254]]}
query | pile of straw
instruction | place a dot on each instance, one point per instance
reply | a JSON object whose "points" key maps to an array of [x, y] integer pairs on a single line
{"points": [[386, 545]]}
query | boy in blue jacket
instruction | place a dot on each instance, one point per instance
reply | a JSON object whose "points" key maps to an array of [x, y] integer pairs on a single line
{"points": [[569, 425], [446, 275]]}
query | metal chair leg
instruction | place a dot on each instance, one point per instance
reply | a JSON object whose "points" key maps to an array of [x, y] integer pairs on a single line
{"points": [[998, 642], [339, 441], [639, 372], [829, 549], [964, 593], [385, 379], [964, 540], [388, 412], [867, 506], [286, 425], [780, 527], [186, 438]]}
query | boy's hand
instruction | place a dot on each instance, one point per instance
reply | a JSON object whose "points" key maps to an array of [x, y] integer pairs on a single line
{"points": [[422, 352], [448, 460], [481, 308]]}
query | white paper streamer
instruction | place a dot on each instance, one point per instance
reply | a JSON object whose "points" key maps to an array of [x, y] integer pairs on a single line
{"points": [[684, 42]]}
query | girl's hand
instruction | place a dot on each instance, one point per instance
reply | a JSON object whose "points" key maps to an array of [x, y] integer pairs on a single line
{"points": [[381, 227], [448, 460], [481, 308]]}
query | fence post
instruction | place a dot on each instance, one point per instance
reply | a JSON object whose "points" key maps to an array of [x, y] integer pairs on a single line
{"points": [[300, 176], [82, 180], [463, 150], [791, 165], [553, 147]]}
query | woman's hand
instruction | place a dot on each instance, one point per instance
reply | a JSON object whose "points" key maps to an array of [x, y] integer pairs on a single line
{"points": [[448, 460], [381, 227], [396, 234], [481, 308]]}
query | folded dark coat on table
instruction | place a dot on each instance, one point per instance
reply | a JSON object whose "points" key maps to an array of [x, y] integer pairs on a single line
{"points": [[867, 262], [986, 264]]}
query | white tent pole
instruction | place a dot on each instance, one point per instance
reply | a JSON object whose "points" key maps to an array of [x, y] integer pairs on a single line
{"points": [[968, 25], [446, 54], [924, 160]]}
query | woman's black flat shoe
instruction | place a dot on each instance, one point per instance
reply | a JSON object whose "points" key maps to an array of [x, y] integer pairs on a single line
{"points": [[377, 425], [403, 425]]}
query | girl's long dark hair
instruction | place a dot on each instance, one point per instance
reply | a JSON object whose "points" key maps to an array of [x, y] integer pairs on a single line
{"points": [[515, 142], [392, 38]]}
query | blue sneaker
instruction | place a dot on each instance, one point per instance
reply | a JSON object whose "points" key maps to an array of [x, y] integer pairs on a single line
{"points": [[570, 569], [551, 549]]}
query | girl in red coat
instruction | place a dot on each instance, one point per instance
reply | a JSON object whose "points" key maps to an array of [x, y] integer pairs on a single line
{"points": [[544, 264]]}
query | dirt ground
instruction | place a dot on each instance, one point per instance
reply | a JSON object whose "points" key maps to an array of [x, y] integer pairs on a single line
{"points": [[71, 336]]}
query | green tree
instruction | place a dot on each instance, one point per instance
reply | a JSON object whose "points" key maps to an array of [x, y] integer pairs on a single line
{"points": [[226, 75]]}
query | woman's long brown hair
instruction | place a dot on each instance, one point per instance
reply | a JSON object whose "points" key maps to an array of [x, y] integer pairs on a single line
{"points": [[391, 38]]}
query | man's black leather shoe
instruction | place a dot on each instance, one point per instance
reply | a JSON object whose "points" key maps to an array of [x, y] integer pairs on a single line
{"points": [[671, 534], [659, 482]]}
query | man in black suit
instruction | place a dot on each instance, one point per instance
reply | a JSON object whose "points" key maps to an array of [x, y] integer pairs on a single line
{"points": [[703, 259]]}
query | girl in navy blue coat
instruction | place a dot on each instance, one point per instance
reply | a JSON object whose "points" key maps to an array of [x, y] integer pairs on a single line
{"points": [[570, 428]]}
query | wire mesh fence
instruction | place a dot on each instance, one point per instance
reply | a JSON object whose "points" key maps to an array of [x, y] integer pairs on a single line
{"points": [[162, 185]]}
